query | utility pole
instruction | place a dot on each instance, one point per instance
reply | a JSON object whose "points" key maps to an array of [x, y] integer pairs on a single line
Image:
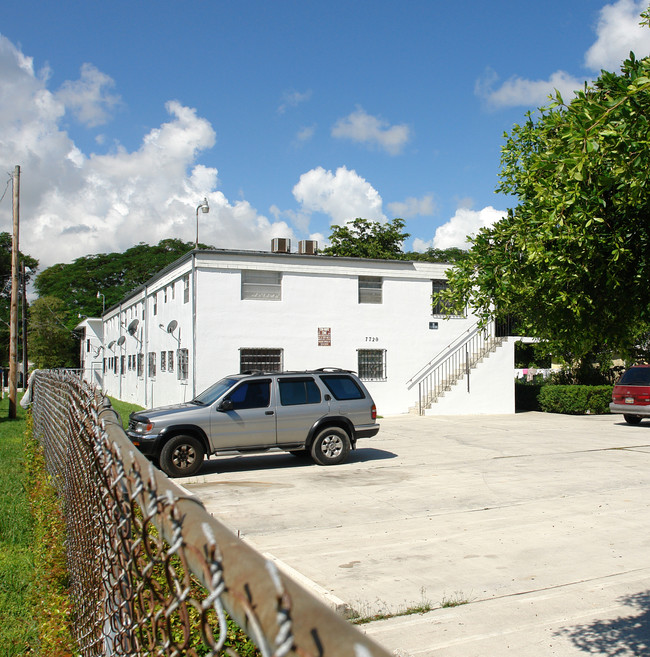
{"points": [[13, 330]]}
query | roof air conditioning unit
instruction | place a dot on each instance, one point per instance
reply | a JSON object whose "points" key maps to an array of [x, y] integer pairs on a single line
{"points": [[280, 245], [308, 247]]}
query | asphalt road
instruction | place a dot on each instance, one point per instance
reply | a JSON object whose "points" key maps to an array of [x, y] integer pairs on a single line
{"points": [[526, 534]]}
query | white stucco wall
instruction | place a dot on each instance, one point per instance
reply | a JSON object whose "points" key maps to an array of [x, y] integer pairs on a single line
{"points": [[491, 387], [91, 349]]}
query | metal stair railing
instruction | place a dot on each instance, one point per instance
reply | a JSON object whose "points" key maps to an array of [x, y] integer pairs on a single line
{"points": [[452, 363]]}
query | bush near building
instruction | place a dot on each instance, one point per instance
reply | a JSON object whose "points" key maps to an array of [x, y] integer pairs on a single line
{"points": [[575, 399]]}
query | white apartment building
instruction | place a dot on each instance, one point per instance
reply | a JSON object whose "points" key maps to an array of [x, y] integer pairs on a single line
{"points": [[218, 312]]}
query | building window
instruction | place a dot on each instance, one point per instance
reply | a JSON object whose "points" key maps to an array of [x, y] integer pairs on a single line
{"points": [[140, 364], [265, 360], [170, 361], [155, 303], [163, 361], [439, 307], [372, 364], [264, 285], [186, 288], [152, 363], [183, 364], [370, 289]]}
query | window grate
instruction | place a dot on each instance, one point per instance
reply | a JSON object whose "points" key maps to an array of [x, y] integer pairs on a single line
{"points": [[372, 364], [266, 360]]}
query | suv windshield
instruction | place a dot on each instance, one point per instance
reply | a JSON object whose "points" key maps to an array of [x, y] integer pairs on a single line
{"points": [[635, 376], [215, 391]]}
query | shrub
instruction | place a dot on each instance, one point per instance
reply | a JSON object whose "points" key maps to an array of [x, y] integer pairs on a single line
{"points": [[575, 399]]}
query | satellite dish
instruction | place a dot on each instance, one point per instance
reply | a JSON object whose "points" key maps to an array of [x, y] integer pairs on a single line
{"points": [[132, 327], [171, 327], [121, 340]]}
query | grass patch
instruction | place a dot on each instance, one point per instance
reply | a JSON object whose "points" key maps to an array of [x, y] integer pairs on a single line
{"points": [[34, 603], [455, 600], [18, 630], [124, 409], [421, 607]]}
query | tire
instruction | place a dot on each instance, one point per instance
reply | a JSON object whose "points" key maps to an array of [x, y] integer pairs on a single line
{"points": [[632, 419], [181, 456], [330, 447]]}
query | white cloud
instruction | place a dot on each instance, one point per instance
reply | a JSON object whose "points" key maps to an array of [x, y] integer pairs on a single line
{"points": [[88, 98], [455, 232], [413, 207], [618, 32], [304, 135], [293, 99], [343, 195], [370, 130], [519, 91], [73, 204]]}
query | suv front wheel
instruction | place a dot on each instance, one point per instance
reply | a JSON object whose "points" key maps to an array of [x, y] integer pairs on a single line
{"points": [[331, 446], [181, 456]]}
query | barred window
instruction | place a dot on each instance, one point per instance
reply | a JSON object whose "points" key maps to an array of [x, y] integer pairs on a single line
{"points": [[370, 289], [140, 364], [183, 364], [265, 360], [372, 364], [261, 285], [163, 361], [152, 363], [439, 307], [170, 361]]}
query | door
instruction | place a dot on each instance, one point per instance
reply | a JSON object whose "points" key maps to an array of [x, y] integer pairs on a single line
{"points": [[250, 419]]}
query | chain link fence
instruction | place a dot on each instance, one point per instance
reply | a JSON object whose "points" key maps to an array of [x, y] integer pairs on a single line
{"points": [[152, 573]]}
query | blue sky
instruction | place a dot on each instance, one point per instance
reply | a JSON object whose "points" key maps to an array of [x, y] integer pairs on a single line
{"points": [[288, 116]]}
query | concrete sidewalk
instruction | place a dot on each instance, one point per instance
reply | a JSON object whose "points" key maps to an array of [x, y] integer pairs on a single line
{"points": [[538, 523]]}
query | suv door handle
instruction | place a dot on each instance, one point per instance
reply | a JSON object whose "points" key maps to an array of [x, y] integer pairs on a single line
{"points": [[268, 413]]}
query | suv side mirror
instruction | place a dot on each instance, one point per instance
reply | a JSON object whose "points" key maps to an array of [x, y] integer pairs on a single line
{"points": [[225, 405]]}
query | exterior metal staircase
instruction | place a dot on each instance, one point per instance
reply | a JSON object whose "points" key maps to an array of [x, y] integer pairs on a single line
{"points": [[454, 363]]}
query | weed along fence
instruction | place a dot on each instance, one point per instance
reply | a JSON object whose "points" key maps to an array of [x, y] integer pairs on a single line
{"points": [[152, 573]]}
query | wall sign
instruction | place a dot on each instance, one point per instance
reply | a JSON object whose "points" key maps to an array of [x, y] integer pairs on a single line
{"points": [[325, 337]]}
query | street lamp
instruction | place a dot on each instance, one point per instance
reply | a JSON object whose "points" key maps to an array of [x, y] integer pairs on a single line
{"points": [[99, 294], [204, 207]]}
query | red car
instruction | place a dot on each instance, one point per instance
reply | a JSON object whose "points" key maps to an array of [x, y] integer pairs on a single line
{"points": [[631, 395]]}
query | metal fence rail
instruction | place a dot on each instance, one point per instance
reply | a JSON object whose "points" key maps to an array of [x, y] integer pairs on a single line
{"points": [[152, 573]]}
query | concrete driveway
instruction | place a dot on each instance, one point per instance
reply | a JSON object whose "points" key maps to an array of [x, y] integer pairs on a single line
{"points": [[527, 534]]}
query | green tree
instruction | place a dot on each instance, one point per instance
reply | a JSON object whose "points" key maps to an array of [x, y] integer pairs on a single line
{"points": [[450, 255], [368, 239], [112, 274], [51, 342], [5, 290], [572, 260]]}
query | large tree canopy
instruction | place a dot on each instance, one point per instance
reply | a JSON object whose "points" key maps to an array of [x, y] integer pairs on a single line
{"points": [[368, 239], [112, 274], [572, 260]]}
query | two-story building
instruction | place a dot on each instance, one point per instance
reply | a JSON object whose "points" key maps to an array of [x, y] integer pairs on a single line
{"points": [[217, 312]]}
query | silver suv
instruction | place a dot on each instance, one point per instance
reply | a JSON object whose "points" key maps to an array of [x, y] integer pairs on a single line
{"points": [[318, 412]]}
